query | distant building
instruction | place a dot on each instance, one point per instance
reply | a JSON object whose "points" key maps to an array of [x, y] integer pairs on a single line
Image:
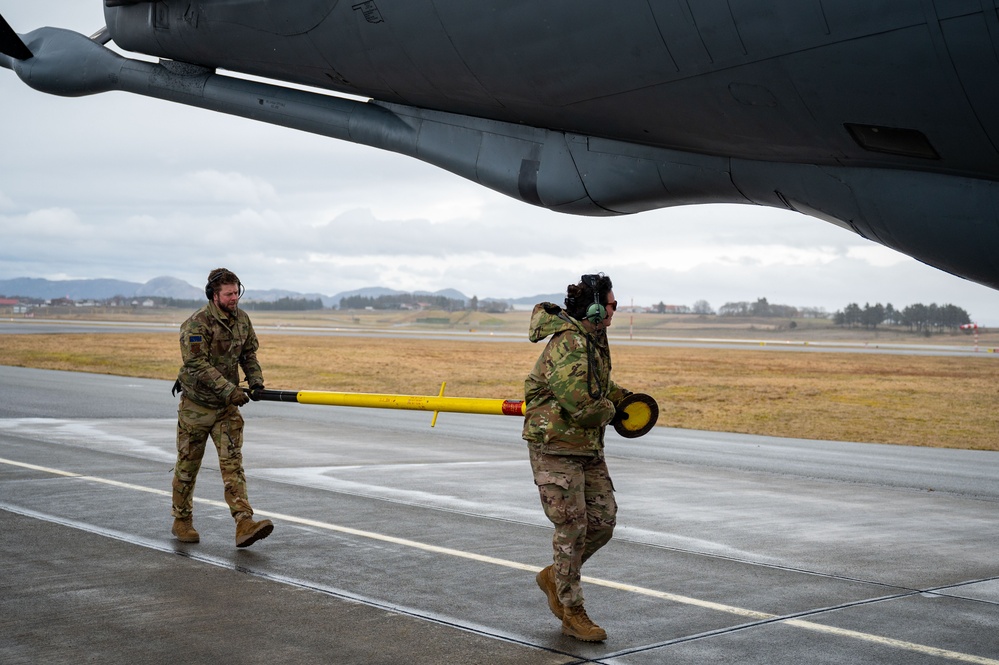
{"points": [[11, 306]]}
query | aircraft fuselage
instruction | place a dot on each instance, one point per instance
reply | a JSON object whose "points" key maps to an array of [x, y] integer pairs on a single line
{"points": [[879, 116], [847, 82]]}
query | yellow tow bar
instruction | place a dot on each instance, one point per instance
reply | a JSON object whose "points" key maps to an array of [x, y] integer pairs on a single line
{"points": [[478, 405], [636, 414]]}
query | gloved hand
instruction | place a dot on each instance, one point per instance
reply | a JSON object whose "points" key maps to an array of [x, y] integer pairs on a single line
{"points": [[255, 391], [238, 398], [619, 417]]}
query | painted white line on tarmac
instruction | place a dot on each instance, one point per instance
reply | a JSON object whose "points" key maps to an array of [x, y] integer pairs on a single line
{"points": [[506, 563]]}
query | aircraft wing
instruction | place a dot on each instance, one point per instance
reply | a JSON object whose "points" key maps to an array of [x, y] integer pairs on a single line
{"points": [[838, 111]]}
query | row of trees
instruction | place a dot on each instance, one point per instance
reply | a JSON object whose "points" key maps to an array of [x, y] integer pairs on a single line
{"points": [[765, 309], [282, 305], [402, 301], [699, 307], [488, 306], [918, 317]]}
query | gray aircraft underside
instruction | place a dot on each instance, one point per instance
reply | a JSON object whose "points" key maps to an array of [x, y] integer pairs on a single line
{"points": [[880, 116]]}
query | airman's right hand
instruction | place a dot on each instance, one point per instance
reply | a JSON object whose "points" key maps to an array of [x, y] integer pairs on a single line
{"points": [[238, 398]]}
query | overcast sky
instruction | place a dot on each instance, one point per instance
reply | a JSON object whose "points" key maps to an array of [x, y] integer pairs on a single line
{"points": [[125, 187]]}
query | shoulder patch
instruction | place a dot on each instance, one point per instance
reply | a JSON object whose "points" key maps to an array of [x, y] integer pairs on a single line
{"points": [[193, 338]]}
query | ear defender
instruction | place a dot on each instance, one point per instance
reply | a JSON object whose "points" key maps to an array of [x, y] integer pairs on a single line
{"points": [[596, 312], [210, 286], [215, 276]]}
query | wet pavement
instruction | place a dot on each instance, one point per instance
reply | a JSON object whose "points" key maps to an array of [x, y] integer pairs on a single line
{"points": [[395, 542]]}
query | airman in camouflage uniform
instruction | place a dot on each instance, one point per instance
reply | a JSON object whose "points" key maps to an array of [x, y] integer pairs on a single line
{"points": [[215, 342], [569, 400]]}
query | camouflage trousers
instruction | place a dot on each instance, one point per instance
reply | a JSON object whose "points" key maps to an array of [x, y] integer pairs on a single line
{"points": [[195, 423], [578, 497]]}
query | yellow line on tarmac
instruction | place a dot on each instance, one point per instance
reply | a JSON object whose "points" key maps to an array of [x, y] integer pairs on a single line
{"points": [[505, 563]]}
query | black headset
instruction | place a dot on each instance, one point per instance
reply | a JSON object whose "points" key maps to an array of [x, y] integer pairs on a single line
{"points": [[596, 312], [210, 286]]}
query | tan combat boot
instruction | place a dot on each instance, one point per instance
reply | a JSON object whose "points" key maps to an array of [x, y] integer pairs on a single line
{"points": [[546, 582], [249, 532], [576, 624], [183, 529]]}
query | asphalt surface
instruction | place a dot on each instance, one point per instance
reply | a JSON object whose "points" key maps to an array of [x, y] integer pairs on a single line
{"points": [[398, 543]]}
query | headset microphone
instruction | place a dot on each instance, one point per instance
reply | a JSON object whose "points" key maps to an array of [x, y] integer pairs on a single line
{"points": [[596, 312]]}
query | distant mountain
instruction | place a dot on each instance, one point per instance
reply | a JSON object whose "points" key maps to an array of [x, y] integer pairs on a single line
{"points": [[453, 294], [271, 295], [366, 292], [375, 291], [531, 301], [178, 289], [74, 289], [169, 287]]}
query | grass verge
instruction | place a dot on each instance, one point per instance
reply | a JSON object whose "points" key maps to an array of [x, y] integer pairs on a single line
{"points": [[875, 398]]}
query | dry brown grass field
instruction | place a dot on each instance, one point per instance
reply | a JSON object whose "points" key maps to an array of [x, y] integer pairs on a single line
{"points": [[946, 401]]}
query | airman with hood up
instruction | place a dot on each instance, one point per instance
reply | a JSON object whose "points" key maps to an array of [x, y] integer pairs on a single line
{"points": [[569, 396], [569, 399]]}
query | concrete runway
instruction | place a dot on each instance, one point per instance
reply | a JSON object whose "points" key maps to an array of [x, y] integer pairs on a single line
{"points": [[398, 543]]}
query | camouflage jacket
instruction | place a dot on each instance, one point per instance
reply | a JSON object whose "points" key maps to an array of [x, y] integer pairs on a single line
{"points": [[561, 415], [213, 346]]}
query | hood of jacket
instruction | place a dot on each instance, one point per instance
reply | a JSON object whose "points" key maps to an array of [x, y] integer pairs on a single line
{"points": [[561, 414], [548, 319]]}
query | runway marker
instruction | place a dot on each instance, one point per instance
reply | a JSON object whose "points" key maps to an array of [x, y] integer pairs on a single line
{"points": [[505, 563]]}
